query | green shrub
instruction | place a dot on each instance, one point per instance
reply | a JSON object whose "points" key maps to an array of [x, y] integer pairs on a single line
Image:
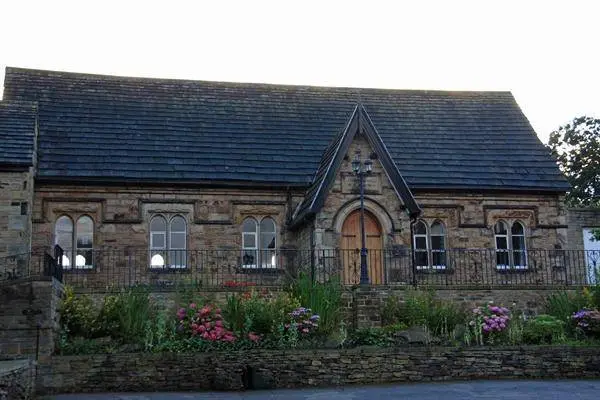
{"points": [[324, 299], [544, 329], [563, 305], [421, 308], [78, 314], [371, 337]]}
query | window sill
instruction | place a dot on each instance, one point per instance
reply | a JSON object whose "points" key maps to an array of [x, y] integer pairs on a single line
{"points": [[79, 270], [169, 269], [508, 268], [435, 269], [260, 269]]}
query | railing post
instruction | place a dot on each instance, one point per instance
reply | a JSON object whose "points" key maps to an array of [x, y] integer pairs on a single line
{"points": [[312, 267], [129, 263]]}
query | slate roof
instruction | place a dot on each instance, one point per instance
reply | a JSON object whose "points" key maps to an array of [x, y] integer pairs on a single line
{"points": [[119, 128], [17, 133]]}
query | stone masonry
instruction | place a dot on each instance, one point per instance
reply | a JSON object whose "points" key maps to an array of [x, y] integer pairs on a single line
{"points": [[29, 308], [296, 368], [121, 216], [16, 198], [578, 219]]}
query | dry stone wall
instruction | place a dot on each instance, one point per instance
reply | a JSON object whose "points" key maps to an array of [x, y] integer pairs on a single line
{"points": [[291, 369]]}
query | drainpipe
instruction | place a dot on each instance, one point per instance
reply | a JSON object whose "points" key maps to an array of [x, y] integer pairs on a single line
{"points": [[413, 221]]}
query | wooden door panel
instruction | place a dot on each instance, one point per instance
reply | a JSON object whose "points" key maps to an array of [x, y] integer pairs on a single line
{"points": [[351, 244]]}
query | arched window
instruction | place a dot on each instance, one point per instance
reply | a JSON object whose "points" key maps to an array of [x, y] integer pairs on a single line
{"points": [[438, 245], [158, 241], [250, 243], [168, 242], [268, 243], [510, 246], [421, 245], [501, 236], [84, 242], [518, 245], [429, 245], [63, 237], [259, 243], [177, 242]]}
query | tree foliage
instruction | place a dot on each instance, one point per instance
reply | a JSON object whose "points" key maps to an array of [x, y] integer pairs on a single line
{"points": [[576, 146]]}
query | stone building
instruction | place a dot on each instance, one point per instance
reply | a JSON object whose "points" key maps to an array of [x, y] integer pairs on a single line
{"points": [[167, 176]]}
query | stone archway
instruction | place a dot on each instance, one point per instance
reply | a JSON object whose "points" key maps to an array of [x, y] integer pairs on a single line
{"points": [[351, 244]]}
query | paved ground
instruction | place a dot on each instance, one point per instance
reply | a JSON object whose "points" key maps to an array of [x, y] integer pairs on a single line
{"points": [[479, 390]]}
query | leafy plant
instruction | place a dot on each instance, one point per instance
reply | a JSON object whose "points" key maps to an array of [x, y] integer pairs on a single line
{"points": [[563, 305], [421, 308], [78, 314], [588, 322], [323, 298], [544, 329], [489, 323]]}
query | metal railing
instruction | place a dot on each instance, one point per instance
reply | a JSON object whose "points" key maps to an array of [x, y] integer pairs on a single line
{"points": [[117, 268]]}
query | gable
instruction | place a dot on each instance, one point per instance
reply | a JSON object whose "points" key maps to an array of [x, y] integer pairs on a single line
{"points": [[108, 128], [358, 124]]}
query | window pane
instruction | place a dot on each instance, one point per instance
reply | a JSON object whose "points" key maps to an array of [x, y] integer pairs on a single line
{"points": [[502, 258], [249, 257], [267, 225], [439, 257], [421, 242], [177, 258], [420, 228], [249, 240], [84, 259], [437, 229], [85, 234], [437, 242], [177, 240], [267, 241], [157, 240], [63, 233], [500, 228], [158, 224], [520, 258], [517, 229], [421, 258], [157, 261], [518, 242], [178, 224], [501, 243], [249, 225]]}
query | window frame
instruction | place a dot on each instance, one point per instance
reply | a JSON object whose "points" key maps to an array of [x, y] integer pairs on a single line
{"points": [[171, 259], [429, 250], [72, 252], [260, 260], [510, 251]]}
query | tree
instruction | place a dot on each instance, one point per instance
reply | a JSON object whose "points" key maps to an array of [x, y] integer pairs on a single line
{"points": [[576, 146]]}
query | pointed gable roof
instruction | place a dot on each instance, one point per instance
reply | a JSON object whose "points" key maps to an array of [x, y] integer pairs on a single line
{"points": [[331, 161]]}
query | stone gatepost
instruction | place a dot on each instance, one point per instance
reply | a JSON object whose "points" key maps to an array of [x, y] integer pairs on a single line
{"points": [[29, 320]]}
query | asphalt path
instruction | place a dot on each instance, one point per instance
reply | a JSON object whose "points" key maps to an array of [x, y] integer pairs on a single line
{"points": [[476, 390]]}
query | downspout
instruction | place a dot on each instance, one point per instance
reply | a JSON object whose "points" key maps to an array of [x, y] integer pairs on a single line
{"points": [[413, 221]]}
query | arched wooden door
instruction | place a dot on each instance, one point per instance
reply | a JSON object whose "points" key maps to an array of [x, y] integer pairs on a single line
{"points": [[351, 245]]}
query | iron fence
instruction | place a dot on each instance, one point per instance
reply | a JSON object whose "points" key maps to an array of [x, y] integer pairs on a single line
{"points": [[115, 268]]}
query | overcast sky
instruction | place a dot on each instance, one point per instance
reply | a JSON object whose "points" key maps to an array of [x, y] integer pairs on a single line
{"points": [[547, 53]]}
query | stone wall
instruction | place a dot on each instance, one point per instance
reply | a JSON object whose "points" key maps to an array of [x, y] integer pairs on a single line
{"points": [[29, 307], [579, 218], [289, 369], [16, 196], [17, 380]]}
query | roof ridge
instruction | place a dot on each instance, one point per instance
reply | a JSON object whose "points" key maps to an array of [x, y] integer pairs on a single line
{"points": [[138, 79]]}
